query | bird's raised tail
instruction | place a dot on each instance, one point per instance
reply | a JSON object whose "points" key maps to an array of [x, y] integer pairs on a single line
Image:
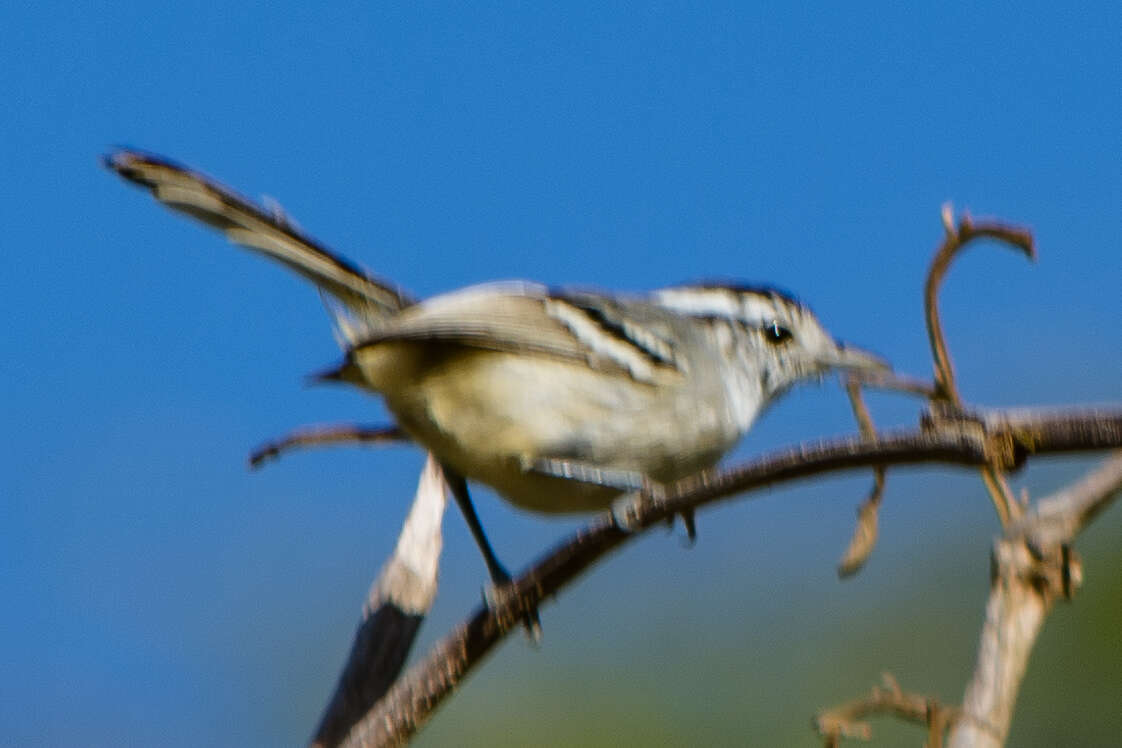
{"points": [[267, 230]]}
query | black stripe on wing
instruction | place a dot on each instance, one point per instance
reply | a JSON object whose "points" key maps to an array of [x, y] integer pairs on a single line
{"points": [[615, 325]]}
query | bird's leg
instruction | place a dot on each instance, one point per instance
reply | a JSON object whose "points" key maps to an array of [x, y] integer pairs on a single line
{"points": [[500, 577], [456, 482]]}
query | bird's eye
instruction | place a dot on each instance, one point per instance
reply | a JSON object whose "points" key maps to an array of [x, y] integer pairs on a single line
{"points": [[777, 334]]}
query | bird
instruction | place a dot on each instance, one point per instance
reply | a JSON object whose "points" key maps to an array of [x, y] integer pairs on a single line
{"points": [[561, 400]]}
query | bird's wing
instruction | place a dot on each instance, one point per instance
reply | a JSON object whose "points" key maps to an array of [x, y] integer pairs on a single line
{"points": [[526, 318], [260, 229]]}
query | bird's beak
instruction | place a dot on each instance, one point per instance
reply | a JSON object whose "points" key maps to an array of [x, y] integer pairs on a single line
{"points": [[856, 360]]}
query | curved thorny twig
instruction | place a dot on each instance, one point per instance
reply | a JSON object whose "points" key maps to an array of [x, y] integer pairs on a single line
{"points": [[956, 240], [946, 389]]}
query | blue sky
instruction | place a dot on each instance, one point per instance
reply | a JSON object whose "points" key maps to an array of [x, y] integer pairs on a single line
{"points": [[160, 592]]}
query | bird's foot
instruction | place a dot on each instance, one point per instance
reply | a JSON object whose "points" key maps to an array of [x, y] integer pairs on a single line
{"points": [[502, 595]]}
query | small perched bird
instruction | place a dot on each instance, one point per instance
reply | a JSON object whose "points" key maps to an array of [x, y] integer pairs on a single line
{"points": [[523, 387]]}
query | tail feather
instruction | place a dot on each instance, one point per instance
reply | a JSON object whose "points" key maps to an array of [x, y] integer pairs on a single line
{"points": [[364, 298]]}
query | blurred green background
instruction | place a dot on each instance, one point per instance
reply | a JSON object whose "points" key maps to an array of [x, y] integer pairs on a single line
{"points": [[158, 593]]}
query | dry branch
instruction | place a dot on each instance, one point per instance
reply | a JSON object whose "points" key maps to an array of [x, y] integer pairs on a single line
{"points": [[1033, 564], [845, 720], [1033, 567], [864, 537], [325, 436], [956, 240], [396, 605], [966, 441]]}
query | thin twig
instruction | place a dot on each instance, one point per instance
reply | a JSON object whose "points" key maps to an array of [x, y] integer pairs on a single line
{"points": [[893, 382], [322, 436], [845, 720], [864, 537], [956, 239]]}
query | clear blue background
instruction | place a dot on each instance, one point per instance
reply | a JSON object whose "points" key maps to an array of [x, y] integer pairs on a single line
{"points": [[156, 592]]}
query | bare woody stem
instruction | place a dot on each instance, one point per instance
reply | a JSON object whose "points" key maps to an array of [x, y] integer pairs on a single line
{"points": [[971, 441], [324, 436], [864, 537], [1034, 566], [956, 239], [846, 720]]}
